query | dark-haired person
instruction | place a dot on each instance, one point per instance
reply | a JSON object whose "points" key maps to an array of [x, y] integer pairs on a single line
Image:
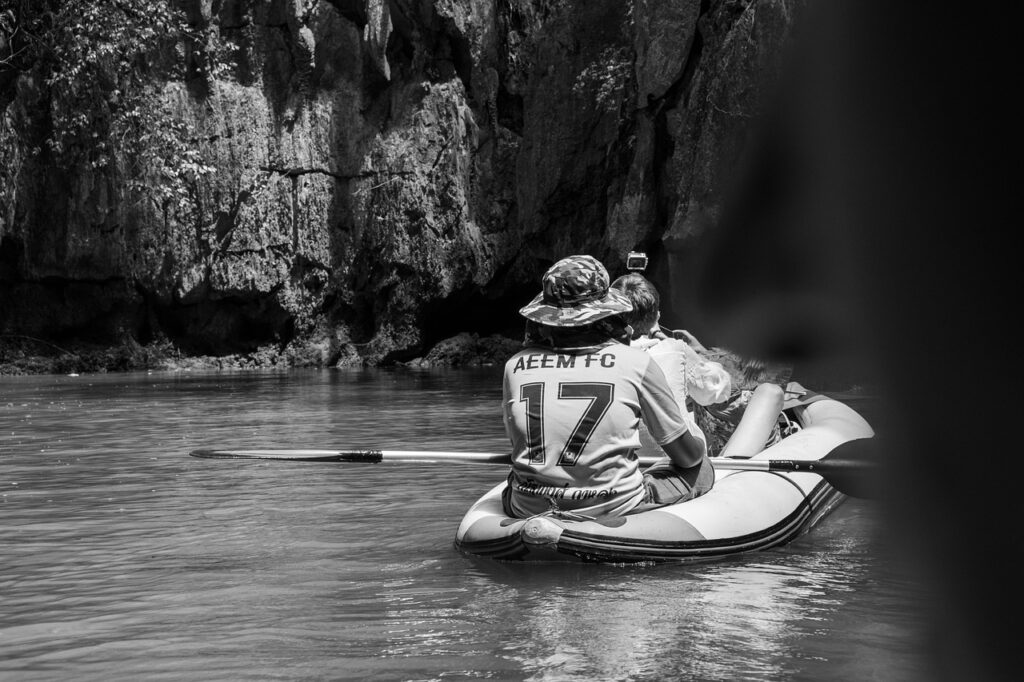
{"points": [[693, 378], [573, 400], [741, 421]]}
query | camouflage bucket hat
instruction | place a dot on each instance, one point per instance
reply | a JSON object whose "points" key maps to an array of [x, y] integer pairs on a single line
{"points": [[576, 292]]}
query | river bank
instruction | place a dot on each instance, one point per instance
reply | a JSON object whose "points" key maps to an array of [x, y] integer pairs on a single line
{"points": [[20, 355], [24, 355]]}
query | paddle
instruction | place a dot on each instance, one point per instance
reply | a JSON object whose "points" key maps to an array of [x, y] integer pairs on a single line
{"points": [[849, 468], [371, 456]]}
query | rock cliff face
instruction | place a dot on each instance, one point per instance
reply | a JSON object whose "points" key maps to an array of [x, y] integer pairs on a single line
{"points": [[387, 173]]}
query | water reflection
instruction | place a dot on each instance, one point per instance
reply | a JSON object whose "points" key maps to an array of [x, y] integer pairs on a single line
{"points": [[795, 610], [124, 558]]}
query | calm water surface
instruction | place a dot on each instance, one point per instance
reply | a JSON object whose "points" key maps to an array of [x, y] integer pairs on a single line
{"points": [[121, 557]]}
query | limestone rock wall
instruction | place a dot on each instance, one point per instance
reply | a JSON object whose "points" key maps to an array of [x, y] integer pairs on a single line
{"points": [[388, 173]]}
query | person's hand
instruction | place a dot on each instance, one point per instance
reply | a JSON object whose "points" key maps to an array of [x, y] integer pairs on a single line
{"points": [[689, 338]]}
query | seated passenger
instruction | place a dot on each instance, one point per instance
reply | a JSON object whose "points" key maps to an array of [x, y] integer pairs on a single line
{"points": [[692, 377], [573, 400], [704, 387]]}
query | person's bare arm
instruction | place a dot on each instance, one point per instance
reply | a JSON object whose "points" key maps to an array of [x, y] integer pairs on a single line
{"points": [[685, 451]]}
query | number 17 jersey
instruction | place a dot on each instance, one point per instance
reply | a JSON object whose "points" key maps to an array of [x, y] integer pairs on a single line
{"points": [[573, 418]]}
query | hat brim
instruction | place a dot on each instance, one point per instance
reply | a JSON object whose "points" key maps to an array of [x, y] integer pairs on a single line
{"points": [[613, 303]]}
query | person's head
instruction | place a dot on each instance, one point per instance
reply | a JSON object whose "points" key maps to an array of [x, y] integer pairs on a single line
{"points": [[576, 301], [645, 299]]}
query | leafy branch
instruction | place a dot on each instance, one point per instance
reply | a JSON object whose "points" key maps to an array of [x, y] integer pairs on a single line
{"points": [[97, 61]]}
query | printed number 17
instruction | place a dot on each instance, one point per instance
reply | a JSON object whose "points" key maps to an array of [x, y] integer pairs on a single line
{"points": [[600, 396]]}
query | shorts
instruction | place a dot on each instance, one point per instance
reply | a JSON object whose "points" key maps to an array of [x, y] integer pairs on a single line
{"points": [[663, 484], [666, 484]]}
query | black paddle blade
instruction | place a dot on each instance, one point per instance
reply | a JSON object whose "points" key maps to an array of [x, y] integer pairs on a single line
{"points": [[292, 455], [207, 453], [854, 468]]}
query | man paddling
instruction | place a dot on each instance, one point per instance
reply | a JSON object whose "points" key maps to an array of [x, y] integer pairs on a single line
{"points": [[573, 400]]}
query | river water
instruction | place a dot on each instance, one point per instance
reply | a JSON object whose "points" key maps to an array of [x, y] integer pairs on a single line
{"points": [[123, 558]]}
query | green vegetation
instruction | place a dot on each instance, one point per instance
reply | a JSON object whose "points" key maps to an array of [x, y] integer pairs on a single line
{"points": [[96, 65]]}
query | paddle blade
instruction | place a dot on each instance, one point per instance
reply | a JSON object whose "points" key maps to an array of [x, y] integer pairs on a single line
{"points": [[293, 455], [853, 468]]}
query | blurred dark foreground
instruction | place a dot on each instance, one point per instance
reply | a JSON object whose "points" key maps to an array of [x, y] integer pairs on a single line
{"points": [[879, 189]]}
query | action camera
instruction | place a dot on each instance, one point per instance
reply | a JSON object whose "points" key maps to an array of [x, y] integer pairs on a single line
{"points": [[636, 261]]}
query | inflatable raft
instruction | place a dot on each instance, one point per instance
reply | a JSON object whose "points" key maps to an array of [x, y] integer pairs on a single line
{"points": [[745, 511]]}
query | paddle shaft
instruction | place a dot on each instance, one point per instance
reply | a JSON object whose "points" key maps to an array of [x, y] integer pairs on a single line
{"points": [[371, 456], [822, 466], [819, 467], [848, 468]]}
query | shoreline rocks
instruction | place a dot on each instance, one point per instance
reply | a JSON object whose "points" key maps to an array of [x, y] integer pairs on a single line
{"points": [[24, 355]]}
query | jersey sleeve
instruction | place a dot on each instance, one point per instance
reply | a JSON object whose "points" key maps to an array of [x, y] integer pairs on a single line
{"points": [[506, 399], [658, 407]]}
